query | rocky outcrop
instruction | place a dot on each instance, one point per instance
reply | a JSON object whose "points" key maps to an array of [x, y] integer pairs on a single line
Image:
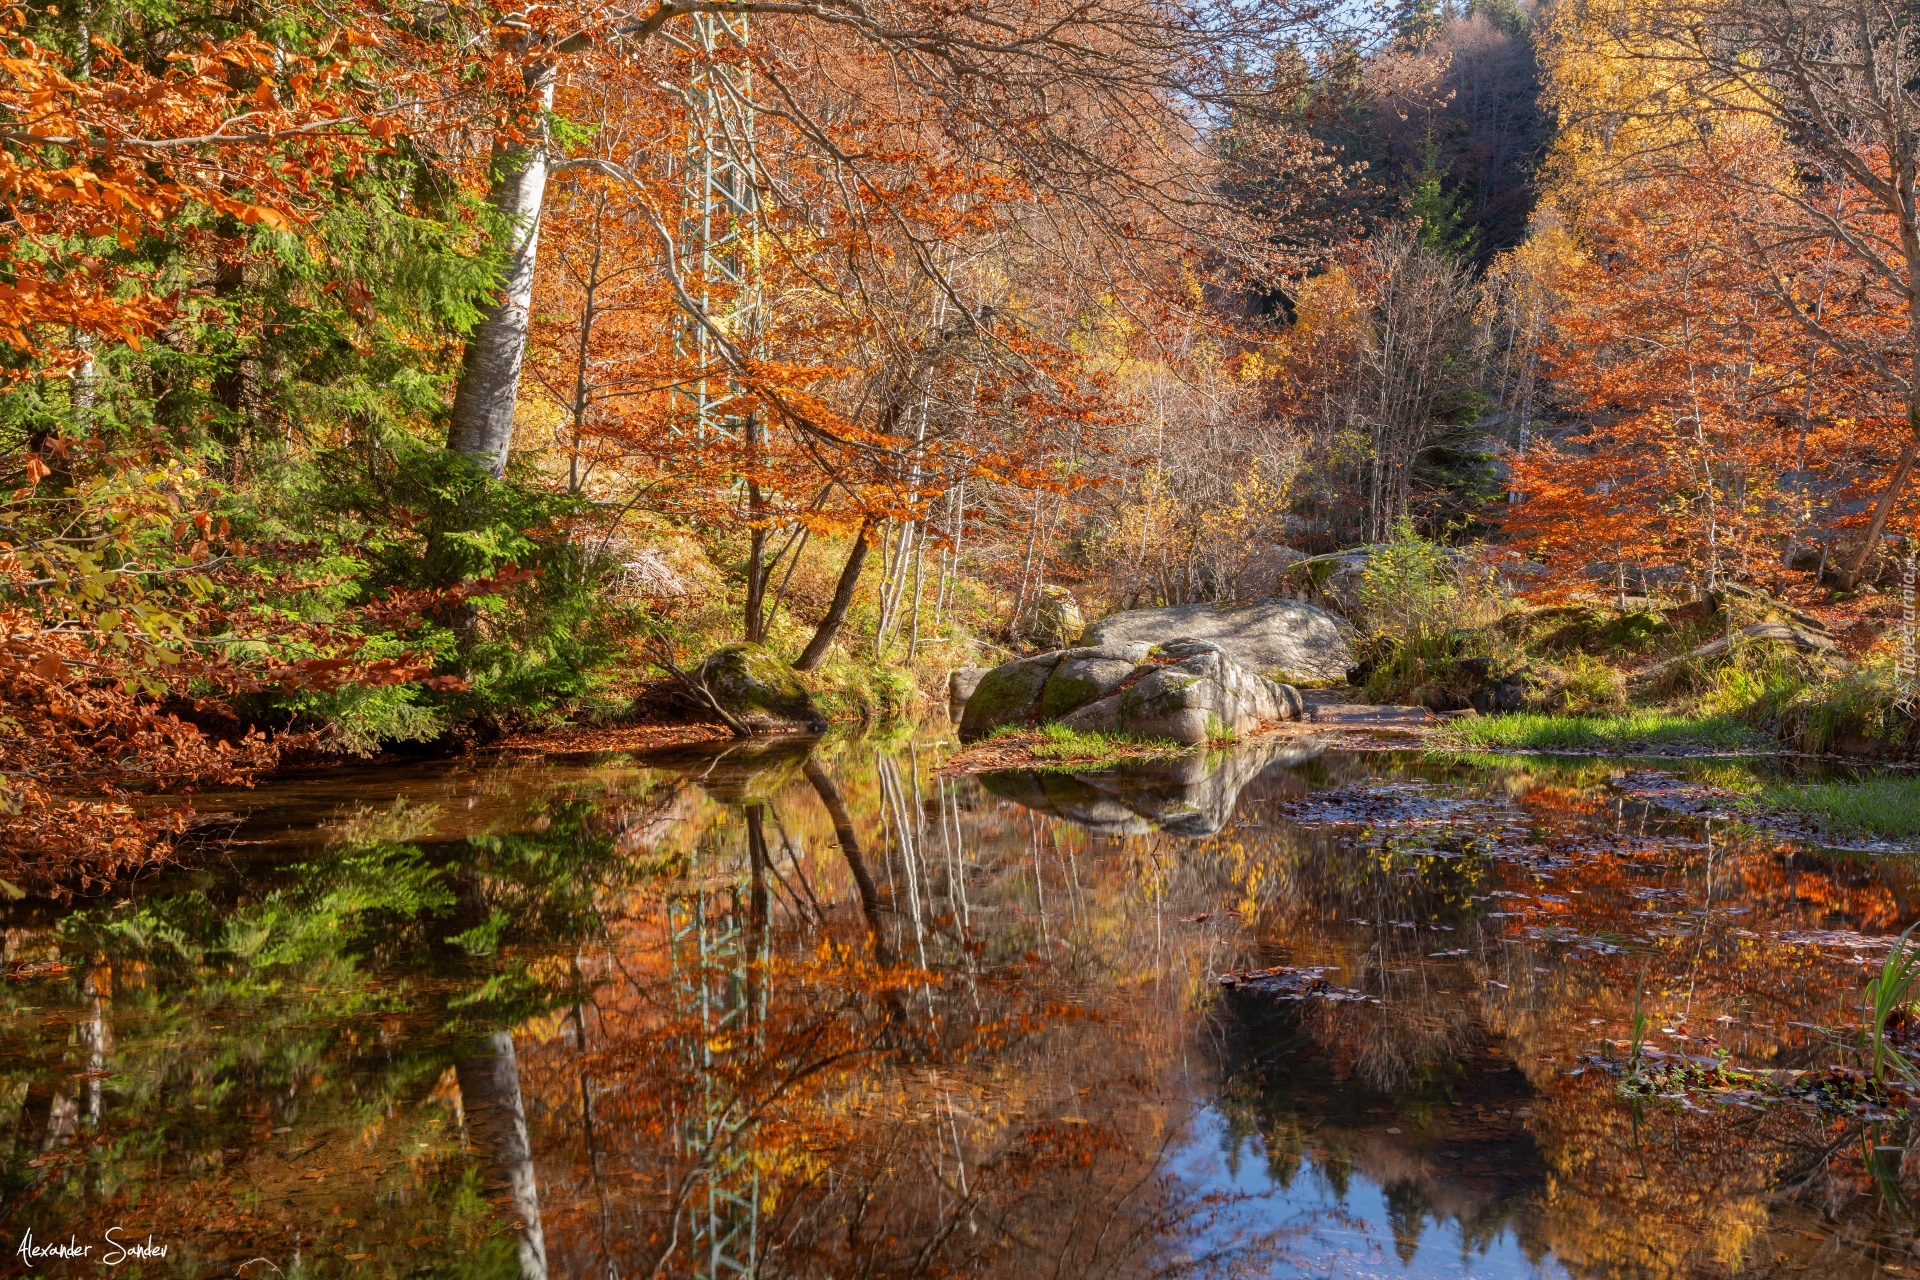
{"points": [[960, 687], [1279, 639], [759, 690], [1056, 617], [1186, 691]]}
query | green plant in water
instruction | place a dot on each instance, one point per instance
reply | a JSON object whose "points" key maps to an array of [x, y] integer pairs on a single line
{"points": [[1887, 992], [1626, 732], [1882, 806]]}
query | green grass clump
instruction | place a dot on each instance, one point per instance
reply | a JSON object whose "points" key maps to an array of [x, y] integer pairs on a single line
{"points": [[1885, 806], [1628, 731], [1057, 742], [846, 689]]}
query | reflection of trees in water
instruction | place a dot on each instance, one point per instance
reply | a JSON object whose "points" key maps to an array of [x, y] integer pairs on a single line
{"points": [[962, 1063], [286, 1066], [969, 1032], [1692, 914]]}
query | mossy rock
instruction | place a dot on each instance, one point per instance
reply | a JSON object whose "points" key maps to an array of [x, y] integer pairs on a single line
{"points": [[759, 689], [1078, 681], [1631, 630], [1007, 695]]}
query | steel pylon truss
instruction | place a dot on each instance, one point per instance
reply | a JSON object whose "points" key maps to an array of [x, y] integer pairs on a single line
{"points": [[719, 238], [716, 952]]}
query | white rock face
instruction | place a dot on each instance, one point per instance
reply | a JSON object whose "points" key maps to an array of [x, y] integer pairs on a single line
{"points": [[1202, 695], [1186, 691], [1280, 639]]}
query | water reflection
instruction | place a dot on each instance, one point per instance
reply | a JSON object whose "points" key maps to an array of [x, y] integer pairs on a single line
{"points": [[795, 1009]]}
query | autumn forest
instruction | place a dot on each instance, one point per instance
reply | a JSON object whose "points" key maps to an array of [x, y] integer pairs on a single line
{"points": [[943, 637], [399, 377]]}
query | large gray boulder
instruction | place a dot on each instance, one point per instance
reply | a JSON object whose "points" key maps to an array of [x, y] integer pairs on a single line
{"points": [[960, 686], [1202, 695], [1281, 639], [1185, 691]]}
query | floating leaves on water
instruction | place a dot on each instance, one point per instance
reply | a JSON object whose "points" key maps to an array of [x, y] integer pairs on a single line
{"points": [[1835, 938], [1286, 982]]}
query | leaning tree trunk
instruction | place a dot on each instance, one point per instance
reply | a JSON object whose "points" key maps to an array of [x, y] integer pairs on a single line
{"points": [[849, 840], [483, 403], [1884, 508], [842, 598]]}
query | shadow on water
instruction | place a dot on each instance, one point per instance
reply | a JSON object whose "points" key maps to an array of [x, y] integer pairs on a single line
{"points": [[811, 1008]]}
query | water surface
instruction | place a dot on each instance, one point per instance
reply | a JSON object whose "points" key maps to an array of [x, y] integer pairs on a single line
{"points": [[816, 1010]]}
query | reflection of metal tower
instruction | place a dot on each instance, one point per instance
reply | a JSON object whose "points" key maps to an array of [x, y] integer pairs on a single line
{"points": [[719, 943], [718, 239]]}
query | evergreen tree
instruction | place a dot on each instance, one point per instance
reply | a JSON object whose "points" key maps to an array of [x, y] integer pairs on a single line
{"points": [[1436, 209]]}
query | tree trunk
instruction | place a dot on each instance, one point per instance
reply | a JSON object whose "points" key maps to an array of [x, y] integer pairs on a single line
{"points": [[490, 1098], [229, 384], [583, 358], [843, 832], [1882, 510], [842, 598], [755, 612], [482, 425], [759, 909], [919, 588], [1026, 570]]}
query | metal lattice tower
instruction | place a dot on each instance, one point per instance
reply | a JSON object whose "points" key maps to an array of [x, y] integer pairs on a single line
{"points": [[715, 951], [719, 237]]}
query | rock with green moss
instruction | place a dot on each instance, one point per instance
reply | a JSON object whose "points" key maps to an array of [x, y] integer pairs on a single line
{"points": [[757, 688], [1201, 695], [1008, 695], [1185, 691], [1056, 617], [960, 687], [1085, 675]]}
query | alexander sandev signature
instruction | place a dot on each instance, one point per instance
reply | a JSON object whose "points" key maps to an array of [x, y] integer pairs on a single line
{"points": [[113, 1250]]}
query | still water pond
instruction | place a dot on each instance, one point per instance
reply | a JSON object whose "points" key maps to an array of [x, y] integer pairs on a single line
{"points": [[828, 1013]]}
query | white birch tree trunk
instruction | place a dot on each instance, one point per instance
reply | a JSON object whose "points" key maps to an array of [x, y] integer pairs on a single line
{"points": [[482, 426]]}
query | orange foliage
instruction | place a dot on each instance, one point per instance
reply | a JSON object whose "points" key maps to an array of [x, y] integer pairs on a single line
{"points": [[1728, 390], [104, 157], [876, 371]]}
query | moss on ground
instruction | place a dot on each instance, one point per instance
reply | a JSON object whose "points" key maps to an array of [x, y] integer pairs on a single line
{"points": [[848, 689]]}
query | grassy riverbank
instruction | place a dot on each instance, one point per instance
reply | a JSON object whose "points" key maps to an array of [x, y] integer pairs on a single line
{"points": [[1627, 732], [1887, 806], [1056, 747]]}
